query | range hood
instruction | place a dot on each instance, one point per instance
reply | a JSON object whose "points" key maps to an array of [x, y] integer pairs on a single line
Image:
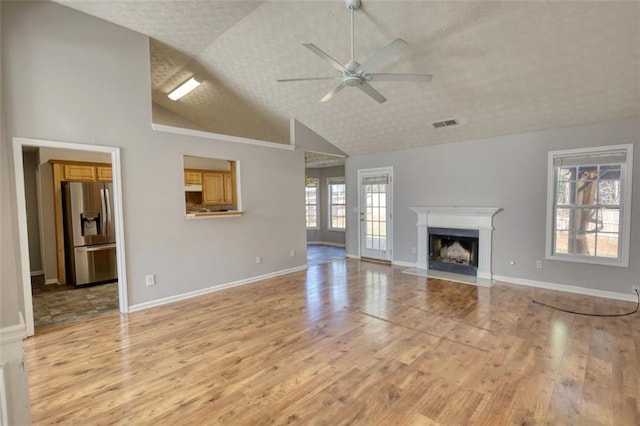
{"points": [[193, 188]]}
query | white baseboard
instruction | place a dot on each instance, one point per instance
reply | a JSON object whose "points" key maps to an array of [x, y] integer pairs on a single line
{"points": [[51, 281], [325, 243], [191, 294], [36, 273], [352, 256], [405, 264], [568, 288]]}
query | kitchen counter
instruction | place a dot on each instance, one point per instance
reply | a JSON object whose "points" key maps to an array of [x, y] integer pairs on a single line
{"points": [[203, 215]]}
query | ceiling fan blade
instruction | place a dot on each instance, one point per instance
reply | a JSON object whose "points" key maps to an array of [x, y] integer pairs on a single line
{"points": [[312, 47], [399, 77], [332, 93], [284, 80], [387, 52], [369, 90]]}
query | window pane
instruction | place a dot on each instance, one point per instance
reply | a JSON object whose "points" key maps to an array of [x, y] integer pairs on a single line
{"points": [[311, 201], [610, 172], [607, 245], [609, 192], [566, 174], [563, 193], [610, 220], [562, 242], [562, 219]]}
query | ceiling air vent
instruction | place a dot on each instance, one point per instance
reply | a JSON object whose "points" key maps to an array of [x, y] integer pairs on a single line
{"points": [[445, 123]]}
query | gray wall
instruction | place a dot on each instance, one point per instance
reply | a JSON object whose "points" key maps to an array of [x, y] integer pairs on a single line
{"points": [[324, 234], [30, 165], [70, 77], [508, 172]]}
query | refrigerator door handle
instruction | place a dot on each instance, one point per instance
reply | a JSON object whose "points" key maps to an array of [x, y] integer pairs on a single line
{"points": [[108, 197], [104, 215], [96, 248]]}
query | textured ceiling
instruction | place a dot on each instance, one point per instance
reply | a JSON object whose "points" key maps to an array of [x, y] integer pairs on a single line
{"points": [[313, 160], [499, 67]]}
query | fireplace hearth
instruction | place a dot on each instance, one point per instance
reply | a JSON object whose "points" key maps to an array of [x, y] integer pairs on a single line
{"points": [[454, 250]]}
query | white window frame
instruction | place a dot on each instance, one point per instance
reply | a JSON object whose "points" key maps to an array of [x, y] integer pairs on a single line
{"points": [[317, 204], [626, 179], [335, 181]]}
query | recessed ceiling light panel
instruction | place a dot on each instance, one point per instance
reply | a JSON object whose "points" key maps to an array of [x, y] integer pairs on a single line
{"points": [[184, 88]]}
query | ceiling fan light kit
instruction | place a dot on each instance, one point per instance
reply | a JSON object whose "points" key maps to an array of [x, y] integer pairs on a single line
{"points": [[353, 74]]}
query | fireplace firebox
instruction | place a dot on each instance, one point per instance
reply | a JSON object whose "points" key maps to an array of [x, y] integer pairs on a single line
{"points": [[454, 250]]}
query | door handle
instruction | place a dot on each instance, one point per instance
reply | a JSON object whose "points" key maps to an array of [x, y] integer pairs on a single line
{"points": [[361, 216]]}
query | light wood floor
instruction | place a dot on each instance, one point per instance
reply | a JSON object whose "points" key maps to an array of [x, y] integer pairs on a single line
{"points": [[344, 343]]}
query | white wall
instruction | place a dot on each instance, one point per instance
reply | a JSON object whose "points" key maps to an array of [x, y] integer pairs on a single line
{"points": [[508, 172], [70, 77]]}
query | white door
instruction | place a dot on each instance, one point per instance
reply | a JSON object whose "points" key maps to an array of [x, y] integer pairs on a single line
{"points": [[375, 213]]}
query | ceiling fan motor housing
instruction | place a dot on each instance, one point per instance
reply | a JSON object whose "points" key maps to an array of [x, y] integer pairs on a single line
{"points": [[353, 4]]}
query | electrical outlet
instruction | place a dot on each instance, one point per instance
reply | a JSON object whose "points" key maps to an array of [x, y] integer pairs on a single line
{"points": [[292, 253], [635, 289], [258, 259], [150, 280], [414, 250], [539, 264]]}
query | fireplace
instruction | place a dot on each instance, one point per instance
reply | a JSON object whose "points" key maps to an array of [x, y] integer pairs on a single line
{"points": [[469, 222], [454, 250]]}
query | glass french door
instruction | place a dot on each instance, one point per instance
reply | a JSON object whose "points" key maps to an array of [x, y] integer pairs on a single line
{"points": [[375, 213]]}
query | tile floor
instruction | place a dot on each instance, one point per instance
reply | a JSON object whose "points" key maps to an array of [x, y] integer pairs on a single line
{"points": [[60, 304], [318, 254]]}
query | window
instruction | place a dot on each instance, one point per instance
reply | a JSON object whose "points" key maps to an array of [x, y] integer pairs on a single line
{"points": [[337, 204], [311, 202], [589, 199]]}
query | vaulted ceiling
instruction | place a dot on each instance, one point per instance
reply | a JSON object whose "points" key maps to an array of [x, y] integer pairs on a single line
{"points": [[499, 67]]}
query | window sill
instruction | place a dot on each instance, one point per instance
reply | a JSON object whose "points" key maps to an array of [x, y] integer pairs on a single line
{"points": [[620, 263], [209, 215]]}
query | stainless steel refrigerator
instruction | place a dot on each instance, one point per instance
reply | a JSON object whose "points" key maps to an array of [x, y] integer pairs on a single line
{"points": [[89, 233]]}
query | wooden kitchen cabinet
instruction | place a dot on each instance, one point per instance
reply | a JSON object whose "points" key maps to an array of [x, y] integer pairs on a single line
{"points": [[193, 177], [104, 174], [228, 188], [213, 188], [79, 172], [86, 173]]}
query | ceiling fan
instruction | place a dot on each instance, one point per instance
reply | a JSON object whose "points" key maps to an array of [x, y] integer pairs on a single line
{"points": [[353, 74]]}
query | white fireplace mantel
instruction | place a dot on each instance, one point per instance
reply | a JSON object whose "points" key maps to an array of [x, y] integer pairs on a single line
{"points": [[480, 218]]}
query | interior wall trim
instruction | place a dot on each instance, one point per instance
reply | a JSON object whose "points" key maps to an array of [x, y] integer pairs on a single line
{"points": [[220, 137], [567, 288], [212, 289]]}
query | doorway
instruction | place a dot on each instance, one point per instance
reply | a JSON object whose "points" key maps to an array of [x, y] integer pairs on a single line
{"points": [[20, 144], [325, 207], [375, 205]]}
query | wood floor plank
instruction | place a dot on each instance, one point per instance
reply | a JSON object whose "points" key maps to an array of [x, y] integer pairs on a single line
{"points": [[347, 342]]}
